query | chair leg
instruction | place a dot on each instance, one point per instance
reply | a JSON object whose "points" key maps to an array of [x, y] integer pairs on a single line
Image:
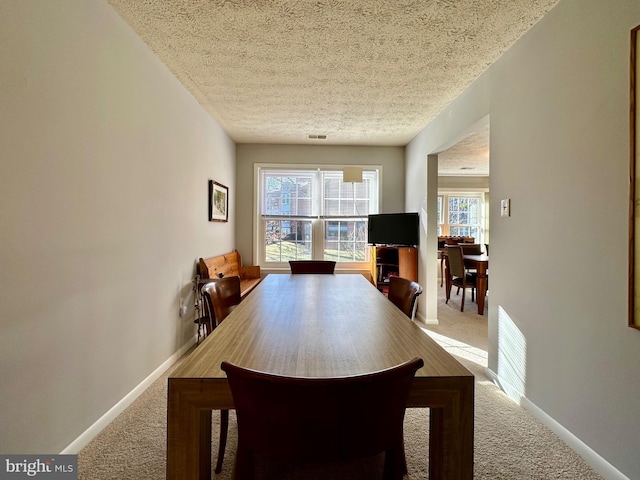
{"points": [[224, 427], [404, 460], [462, 300]]}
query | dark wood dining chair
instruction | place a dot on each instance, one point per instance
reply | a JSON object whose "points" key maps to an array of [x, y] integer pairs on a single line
{"points": [[404, 294], [312, 266], [221, 296], [457, 275], [321, 422], [471, 248]]}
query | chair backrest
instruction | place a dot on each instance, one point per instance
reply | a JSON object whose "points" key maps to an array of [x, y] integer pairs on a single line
{"points": [[455, 261], [471, 248], [221, 296], [320, 420], [404, 294], [312, 266], [227, 265]]}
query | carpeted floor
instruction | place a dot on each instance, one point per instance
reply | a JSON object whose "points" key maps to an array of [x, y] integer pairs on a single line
{"points": [[510, 443]]}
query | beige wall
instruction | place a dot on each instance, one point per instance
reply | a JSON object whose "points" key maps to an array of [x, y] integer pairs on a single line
{"points": [[104, 162], [103, 194], [391, 159], [558, 335]]}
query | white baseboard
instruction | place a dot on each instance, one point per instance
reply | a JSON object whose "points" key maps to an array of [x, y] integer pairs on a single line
{"points": [[91, 432], [599, 464], [424, 320]]}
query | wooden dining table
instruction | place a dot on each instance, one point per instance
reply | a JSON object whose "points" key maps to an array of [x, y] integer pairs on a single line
{"points": [[318, 326]]}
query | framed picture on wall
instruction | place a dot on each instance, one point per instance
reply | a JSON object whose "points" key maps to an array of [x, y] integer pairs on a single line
{"points": [[634, 200], [218, 202]]}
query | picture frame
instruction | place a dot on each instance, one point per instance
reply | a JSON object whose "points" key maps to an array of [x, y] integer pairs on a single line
{"points": [[218, 202], [634, 184]]}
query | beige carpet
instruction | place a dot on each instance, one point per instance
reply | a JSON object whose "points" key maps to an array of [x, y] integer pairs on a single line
{"points": [[510, 443]]}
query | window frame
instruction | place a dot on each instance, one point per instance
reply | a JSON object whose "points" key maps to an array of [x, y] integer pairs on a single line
{"points": [[318, 219], [444, 227]]}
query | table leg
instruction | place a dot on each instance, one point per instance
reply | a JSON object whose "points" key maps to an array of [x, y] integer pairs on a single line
{"points": [[188, 435], [451, 436], [436, 435], [481, 286], [204, 454]]}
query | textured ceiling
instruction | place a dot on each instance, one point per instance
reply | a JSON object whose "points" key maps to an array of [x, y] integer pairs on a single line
{"points": [[361, 72], [468, 157]]}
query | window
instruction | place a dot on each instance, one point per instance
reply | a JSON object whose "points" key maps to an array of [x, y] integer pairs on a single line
{"points": [[440, 215], [461, 215], [307, 214]]}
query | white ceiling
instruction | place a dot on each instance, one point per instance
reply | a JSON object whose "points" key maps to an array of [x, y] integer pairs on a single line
{"points": [[468, 157], [361, 72]]}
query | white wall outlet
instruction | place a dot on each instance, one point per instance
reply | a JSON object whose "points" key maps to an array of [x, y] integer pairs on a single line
{"points": [[505, 207], [183, 308]]}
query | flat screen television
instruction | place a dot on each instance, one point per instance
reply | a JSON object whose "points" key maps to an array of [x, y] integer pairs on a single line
{"points": [[402, 229]]}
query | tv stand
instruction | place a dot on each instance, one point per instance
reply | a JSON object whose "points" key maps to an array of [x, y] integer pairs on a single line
{"points": [[387, 261]]}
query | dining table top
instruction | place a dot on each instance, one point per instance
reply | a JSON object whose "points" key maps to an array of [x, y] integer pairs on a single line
{"points": [[473, 260], [316, 325]]}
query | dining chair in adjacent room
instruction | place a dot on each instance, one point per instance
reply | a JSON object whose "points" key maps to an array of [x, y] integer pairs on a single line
{"points": [[404, 294], [221, 296], [312, 266], [320, 422], [457, 274], [471, 248]]}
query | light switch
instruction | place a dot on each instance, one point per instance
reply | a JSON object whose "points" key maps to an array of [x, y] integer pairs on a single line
{"points": [[505, 207]]}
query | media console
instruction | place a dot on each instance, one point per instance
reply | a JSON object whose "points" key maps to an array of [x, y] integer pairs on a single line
{"points": [[388, 261]]}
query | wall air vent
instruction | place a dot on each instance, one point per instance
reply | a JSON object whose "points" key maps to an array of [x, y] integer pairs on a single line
{"points": [[317, 137]]}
